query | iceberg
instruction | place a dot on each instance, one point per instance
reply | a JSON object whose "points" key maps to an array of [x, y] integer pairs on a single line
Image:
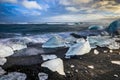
{"points": [[54, 42], [80, 48], [5, 51], [2, 61], [43, 76], [13, 76], [48, 57], [2, 72], [95, 27], [114, 27], [55, 65], [102, 41]]}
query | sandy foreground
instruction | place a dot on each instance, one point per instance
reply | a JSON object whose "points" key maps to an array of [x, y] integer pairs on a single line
{"points": [[87, 67]]}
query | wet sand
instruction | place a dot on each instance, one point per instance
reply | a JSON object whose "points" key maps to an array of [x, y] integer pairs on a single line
{"points": [[103, 68]]}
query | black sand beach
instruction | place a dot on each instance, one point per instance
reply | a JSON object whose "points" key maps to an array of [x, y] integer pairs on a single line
{"points": [[103, 68]]}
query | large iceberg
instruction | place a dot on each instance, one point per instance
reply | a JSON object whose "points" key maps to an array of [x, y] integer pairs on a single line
{"points": [[2, 61], [80, 48], [14, 76], [5, 51], [54, 42], [114, 27], [54, 65]]}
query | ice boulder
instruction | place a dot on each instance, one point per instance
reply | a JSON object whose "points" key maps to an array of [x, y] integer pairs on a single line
{"points": [[79, 49], [14, 76], [55, 65], [95, 27], [2, 72], [102, 41], [54, 42], [2, 61], [5, 51], [114, 27]]}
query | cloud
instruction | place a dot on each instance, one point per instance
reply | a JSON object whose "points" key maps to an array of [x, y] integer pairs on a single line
{"points": [[92, 6], [9, 1], [112, 6], [75, 17], [31, 4], [81, 1], [29, 12], [74, 2], [72, 9]]}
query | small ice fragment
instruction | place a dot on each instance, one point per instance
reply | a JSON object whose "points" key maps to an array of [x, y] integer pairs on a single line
{"points": [[48, 57], [91, 66], [72, 66], [116, 75], [105, 51], [42, 76], [14, 76], [2, 61], [2, 72], [116, 62], [68, 72], [96, 52], [55, 65], [67, 57], [111, 51], [76, 70]]}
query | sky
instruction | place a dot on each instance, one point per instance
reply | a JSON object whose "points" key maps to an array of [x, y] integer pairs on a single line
{"points": [[35, 11]]}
